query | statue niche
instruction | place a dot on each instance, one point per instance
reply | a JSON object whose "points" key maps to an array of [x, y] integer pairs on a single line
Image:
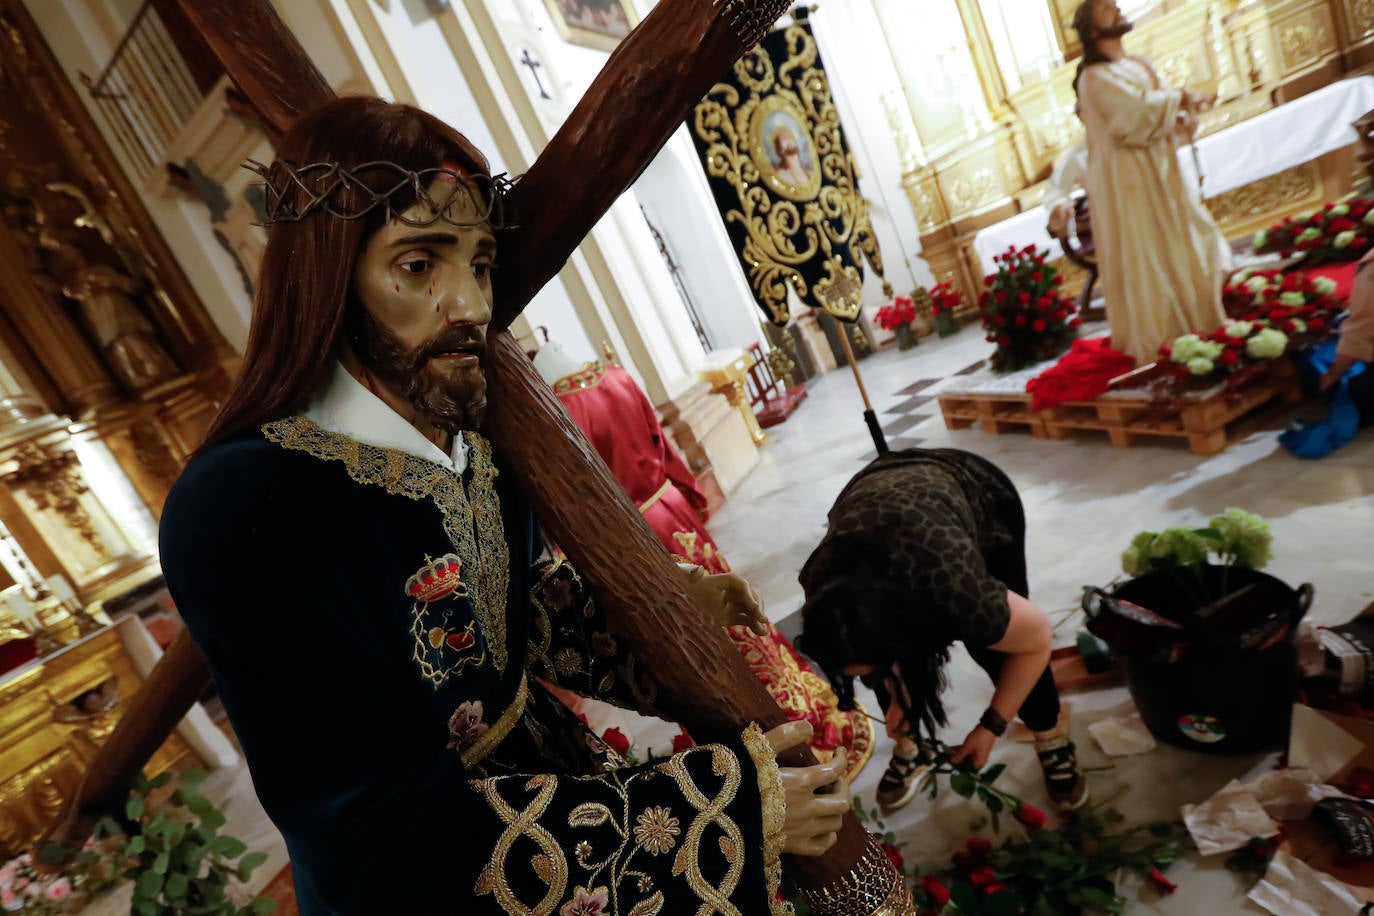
{"points": [[73, 256]]}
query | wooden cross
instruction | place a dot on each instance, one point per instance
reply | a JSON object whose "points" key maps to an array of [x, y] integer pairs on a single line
{"points": [[534, 66], [646, 90]]}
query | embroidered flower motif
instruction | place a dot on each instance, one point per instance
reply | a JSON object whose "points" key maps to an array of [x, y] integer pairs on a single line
{"points": [[585, 903], [557, 593], [582, 851], [465, 726], [655, 829], [567, 662]]}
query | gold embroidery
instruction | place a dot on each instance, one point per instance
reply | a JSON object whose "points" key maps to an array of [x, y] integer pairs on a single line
{"points": [[774, 812], [589, 376], [710, 811], [479, 749], [472, 514], [656, 830], [525, 823]]}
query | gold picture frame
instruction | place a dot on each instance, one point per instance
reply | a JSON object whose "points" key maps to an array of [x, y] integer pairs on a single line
{"points": [[783, 150], [599, 24]]}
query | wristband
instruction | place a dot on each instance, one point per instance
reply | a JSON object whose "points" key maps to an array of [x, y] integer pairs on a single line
{"points": [[992, 720]]}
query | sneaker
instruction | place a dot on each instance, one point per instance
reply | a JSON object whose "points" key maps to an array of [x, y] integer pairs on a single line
{"points": [[904, 777], [1067, 787]]}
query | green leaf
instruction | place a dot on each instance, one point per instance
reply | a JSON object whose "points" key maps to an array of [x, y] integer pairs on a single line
{"points": [[177, 885], [146, 908], [193, 777], [213, 819], [52, 853], [249, 863], [107, 827], [160, 780], [229, 847], [994, 802], [148, 885], [136, 846], [134, 808], [161, 862], [991, 773], [962, 784]]}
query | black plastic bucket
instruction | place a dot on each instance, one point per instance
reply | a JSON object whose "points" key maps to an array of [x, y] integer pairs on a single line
{"points": [[1220, 697]]}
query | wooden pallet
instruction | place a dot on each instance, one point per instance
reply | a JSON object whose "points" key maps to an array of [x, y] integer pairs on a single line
{"points": [[1209, 424]]}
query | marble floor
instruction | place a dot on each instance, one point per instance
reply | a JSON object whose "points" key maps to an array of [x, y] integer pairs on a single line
{"points": [[1084, 501]]}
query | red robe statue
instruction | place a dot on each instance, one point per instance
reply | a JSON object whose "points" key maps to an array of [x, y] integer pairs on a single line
{"points": [[617, 418]]}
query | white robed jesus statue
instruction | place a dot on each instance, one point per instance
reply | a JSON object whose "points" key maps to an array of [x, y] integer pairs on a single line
{"points": [[1161, 256]]}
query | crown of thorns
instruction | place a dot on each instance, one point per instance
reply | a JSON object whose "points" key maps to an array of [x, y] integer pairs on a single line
{"points": [[295, 192]]}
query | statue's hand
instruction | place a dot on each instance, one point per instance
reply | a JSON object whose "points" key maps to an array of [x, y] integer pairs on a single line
{"points": [[817, 796], [728, 597]]}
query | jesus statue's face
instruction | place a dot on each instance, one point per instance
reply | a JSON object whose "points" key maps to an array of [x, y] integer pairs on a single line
{"points": [[1109, 21], [426, 292]]}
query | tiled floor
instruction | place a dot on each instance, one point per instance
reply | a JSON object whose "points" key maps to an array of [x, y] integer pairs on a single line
{"points": [[1084, 500]]}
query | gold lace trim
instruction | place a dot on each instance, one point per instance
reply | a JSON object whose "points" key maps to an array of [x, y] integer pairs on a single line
{"points": [[589, 376], [472, 514], [483, 746], [774, 813]]}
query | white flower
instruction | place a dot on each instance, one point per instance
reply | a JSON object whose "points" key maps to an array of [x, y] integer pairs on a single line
{"points": [[1344, 239], [1304, 216], [1292, 299], [1324, 286], [1201, 366], [1240, 328], [1240, 276], [1257, 284], [1261, 238], [1267, 344]]}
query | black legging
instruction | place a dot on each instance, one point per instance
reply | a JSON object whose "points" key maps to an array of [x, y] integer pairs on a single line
{"points": [[1007, 564]]}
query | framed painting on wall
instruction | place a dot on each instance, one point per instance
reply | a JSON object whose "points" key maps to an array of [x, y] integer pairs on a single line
{"points": [[600, 24]]}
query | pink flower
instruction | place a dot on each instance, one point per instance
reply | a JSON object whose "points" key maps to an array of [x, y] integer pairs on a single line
{"points": [[465, 726], [60, 889], [585, 903]]}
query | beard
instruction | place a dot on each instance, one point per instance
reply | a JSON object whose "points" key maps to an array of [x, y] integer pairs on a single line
{"points": [[453, 401], [1121, 27]]}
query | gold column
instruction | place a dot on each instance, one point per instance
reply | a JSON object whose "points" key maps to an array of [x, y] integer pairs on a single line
{"points": [[726, 374]]}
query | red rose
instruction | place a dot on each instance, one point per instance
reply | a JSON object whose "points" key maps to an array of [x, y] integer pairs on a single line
{"points": [[1059, 315], [937, 892], [1024, 298], [1037, 277], [1058, 279], [1001, 295], [1228, 358], [1316, 324], [1029, 815], [1166, 352], [682, 742], [1075, 323], [616, 739], [996, 887], [894, 855], [1342, 224], [979, 847], [1038, 325], [1003, 340], [1164, 883], [1329, 205], [1021, 320], [982, 876], [988, 279]]}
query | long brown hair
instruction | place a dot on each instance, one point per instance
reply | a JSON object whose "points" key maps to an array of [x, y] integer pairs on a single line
{"points": [[304, 287], [1087, 36]]}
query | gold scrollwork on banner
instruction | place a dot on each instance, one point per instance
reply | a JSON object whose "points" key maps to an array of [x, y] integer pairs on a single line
{"points": [[786, 185]]}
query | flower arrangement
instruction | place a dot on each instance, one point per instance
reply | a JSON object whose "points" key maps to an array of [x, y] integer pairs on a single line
{"points": [[1236, 537], [167, 843], [1272, 313], [1024, 311], [1336, 232], [897, 313], [944, 299]]}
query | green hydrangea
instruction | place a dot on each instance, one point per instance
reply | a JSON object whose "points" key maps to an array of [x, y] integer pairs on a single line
{"points": [[1309, 234], [1324, 286], [1261, 239], [1240, 328], [1292, 299], [1135, 561], [1343, 239], [1244, 538], [1185, 546], [1190, 347], [1199, 365], [1267, 344]]}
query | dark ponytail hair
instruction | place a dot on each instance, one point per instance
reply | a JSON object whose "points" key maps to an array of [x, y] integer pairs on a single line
{"points": [[1087, 36], [863, 621]]}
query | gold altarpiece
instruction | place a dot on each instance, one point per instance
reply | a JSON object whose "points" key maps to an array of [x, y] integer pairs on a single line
{"points": [[965, 171], [110, 370]]}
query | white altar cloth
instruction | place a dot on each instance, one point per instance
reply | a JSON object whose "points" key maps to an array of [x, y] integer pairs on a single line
{"points": [[1281, 138]]}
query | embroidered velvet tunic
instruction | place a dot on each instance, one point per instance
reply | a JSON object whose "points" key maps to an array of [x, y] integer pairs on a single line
{"points": [[377, 624]]}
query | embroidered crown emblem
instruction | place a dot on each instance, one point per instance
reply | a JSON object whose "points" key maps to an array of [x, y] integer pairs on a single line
{"points": [[437, 579]]}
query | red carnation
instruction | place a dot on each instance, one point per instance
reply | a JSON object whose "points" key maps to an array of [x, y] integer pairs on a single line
{"points": [[1037, 277], [894, 855], [982, 876], [1058, 279], [1164, 883], [989, 278], [1316, 324], [937, 892], [1001, 295], [1025, 298], [1021, 320], [1075, 323], [1029, 815], [682, 742], [1228, 358], [1166, 352], [979, 847], [616, 739], [1038, 325]]}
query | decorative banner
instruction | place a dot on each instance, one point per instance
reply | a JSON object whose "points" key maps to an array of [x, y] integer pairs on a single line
{"points": [[783, 177]]}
